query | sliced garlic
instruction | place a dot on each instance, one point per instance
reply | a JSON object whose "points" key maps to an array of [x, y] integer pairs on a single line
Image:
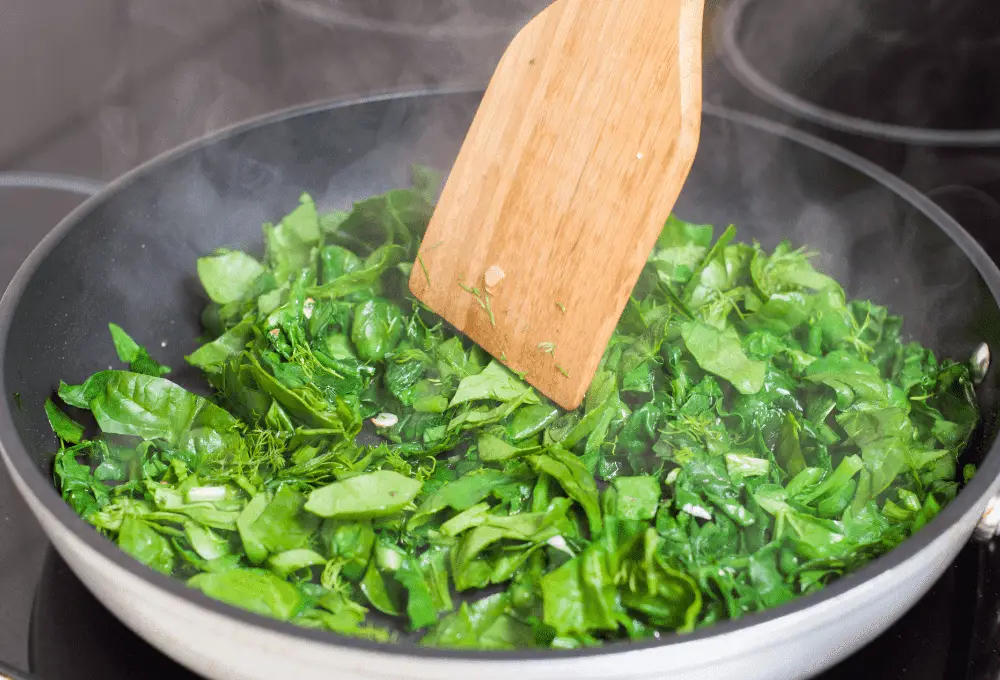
{"points": [[206, 494], [385, 420], [696, 511], [559, 543], [494, 275]]}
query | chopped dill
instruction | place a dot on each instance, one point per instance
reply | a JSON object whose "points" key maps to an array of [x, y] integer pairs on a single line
{"points": [[482, 298], [489, 309], [474, 292], [427, 274]]}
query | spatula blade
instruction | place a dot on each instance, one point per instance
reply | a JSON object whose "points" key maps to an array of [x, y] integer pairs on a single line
{"points": [[571, 167]]}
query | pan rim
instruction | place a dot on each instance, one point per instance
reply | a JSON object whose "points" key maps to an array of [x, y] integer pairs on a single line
{"points": [[20, 464]]}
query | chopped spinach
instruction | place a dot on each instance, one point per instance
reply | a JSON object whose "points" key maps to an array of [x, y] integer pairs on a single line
{"points": [[751, 435]]}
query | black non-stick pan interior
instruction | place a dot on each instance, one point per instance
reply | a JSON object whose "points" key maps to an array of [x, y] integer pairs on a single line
{"points": [[130, 258]]}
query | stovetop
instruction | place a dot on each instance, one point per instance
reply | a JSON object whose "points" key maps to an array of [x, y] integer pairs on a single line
{"points": [[93, 89]]}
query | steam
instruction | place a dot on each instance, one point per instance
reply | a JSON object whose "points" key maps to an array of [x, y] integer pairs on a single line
{"points": [[873, 67], [874, 242], [425, 19], [869, 71], [119, 138], [214, 66], [276, 56], [201, 99]]}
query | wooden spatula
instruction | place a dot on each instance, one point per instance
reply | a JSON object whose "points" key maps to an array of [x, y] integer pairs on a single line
{"points": [[573, 163]]}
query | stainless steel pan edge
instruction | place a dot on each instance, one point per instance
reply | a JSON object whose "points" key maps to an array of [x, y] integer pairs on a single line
{"points": [[791, 642]]}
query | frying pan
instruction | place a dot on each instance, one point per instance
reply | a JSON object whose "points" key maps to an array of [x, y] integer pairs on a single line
{"points": [[128, 255], [9, 673]]}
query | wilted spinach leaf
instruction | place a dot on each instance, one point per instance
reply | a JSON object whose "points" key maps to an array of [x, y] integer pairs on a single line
{"points": [[750, 436]]}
